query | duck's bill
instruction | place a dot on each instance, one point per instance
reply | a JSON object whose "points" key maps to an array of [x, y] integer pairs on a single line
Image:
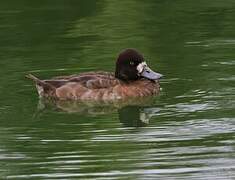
{"points": [[150, 74]]}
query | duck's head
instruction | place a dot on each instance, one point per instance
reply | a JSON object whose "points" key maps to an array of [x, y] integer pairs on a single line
{"points": [[130, 66]]}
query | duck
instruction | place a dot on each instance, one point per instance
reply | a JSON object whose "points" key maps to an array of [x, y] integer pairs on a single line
{"points": [[132, 78]]}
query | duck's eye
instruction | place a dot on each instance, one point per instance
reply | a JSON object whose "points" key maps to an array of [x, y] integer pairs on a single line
{"points": [[132, 63]]}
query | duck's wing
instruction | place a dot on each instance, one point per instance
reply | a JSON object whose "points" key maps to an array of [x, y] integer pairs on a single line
{"points": [[90, 80], [100, 74]]}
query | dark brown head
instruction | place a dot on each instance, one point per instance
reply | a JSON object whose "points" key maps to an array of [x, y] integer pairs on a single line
{"points": [[130, 66]]}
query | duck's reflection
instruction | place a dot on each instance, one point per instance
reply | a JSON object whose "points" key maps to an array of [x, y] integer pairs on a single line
{"points": [[136, 116], [132, 113]]}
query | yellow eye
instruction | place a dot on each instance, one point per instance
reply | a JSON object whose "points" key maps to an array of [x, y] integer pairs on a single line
{"points": [[132, 63]]}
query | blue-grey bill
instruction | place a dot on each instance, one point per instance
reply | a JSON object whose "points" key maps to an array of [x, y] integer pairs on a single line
{"points": [[149, 74]]}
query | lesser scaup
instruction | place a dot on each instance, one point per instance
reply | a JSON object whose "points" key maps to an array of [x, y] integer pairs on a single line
{"points": [[132, 78]]}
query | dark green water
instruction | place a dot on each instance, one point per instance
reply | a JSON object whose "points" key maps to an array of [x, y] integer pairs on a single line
{"points": [[188, 132]]}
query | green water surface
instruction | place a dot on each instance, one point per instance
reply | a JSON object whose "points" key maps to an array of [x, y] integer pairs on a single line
{"points": [[187, 132]]}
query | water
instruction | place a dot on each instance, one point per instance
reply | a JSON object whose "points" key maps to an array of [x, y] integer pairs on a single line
{"points": [[187, 132]]}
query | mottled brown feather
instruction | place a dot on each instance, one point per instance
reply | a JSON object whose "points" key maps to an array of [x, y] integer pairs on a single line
{"points": [[98, 86]]}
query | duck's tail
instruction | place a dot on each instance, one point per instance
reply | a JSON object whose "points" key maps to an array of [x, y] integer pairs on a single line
{"points": [[43, 88], [35, 79]]}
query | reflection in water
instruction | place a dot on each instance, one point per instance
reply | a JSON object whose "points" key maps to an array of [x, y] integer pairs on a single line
{"points": [[132, 112], [136, 115]]}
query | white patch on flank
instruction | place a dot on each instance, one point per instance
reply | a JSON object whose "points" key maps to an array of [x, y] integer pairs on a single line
{"points": [[141, 67], [40, 90]]}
